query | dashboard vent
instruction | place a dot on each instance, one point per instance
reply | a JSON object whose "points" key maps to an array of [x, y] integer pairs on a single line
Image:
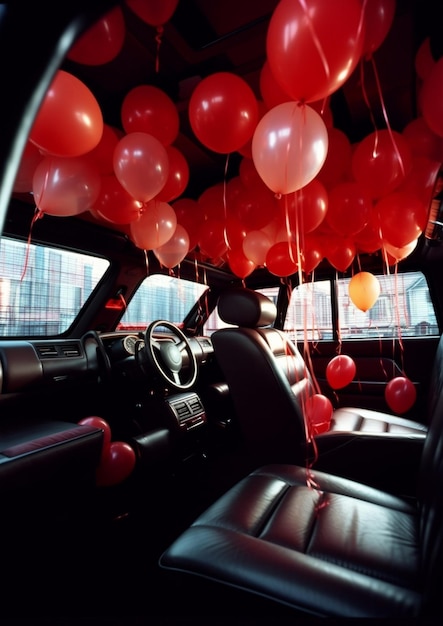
{"points": [[55, 351], [189, 411]]}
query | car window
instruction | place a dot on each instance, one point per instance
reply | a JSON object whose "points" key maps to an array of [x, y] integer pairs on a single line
{"points": [[403, 308], [42, 289], [161, 297]]}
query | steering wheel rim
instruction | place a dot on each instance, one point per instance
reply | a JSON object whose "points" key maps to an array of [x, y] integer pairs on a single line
{"points": [[166, 357]]}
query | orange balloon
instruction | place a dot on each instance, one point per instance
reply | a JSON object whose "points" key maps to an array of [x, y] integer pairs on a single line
{"points": [[364, 289]]}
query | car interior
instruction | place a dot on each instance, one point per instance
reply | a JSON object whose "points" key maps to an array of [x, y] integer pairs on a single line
{"points": [[221, 312]]}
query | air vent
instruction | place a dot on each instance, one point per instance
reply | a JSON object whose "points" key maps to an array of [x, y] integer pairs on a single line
{"points": [[56, 351], [189, 411], [70, 350], [48, 352]]}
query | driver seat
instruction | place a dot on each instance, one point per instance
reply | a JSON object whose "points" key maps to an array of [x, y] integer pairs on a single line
{"points": [[269, 382]]}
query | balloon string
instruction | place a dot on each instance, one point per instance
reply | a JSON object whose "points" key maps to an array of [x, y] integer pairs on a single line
{"points": [[397, 314], [385, 115], [365, 95], [316, 40], [225, 210], [158, 39], [37, 215], [146, 262]]}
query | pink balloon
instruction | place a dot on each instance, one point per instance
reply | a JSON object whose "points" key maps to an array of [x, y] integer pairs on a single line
{"points": [[65, 186], [141, 165], [256, 245], [31, 157], [172, 253], [289, 147], [155, 226]]}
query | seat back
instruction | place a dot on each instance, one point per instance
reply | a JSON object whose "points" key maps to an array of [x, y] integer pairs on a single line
{"points": [[430, 490], [266, 375]]}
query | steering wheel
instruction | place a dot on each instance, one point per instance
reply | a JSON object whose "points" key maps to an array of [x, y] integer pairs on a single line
{"points": [[166, 356]]}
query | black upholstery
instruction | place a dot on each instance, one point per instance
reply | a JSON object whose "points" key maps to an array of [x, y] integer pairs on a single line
{"points": [[324, 545], [269, 382]]}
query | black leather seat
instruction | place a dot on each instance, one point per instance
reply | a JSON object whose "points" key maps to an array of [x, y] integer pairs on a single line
{"points": [[269, 382], [323, 545]]}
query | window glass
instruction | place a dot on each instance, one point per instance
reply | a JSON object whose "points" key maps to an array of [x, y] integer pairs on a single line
{"points": [[403, 308], [42, 289], [161, 297]]}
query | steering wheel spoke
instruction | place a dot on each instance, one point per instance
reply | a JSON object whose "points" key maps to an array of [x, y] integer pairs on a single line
{"points": [[166, 357]]}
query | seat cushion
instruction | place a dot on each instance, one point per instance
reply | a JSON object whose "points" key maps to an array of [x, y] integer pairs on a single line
{"points": [[351, 419], [322, 544]]}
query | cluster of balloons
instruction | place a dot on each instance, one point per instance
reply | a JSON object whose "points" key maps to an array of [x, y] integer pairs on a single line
{"points": [[117, 459], [302, 194]]}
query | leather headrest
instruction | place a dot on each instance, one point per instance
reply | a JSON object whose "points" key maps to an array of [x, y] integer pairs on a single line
{"points": [[245, 307]]}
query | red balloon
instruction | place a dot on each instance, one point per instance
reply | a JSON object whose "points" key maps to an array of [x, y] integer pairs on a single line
{"points": [[255, 208], [381, 162], [148, 109], [212, 238], [213, 202], [102, 154], [155, 226], [400, 394], [64, 187], [172, 253], [311, 253], [338, 159], [431, 98], [281, 259], [318, 410], [99, 422], [115, 204], [421, 179], [270, 90], [313, 47], [239, 263], [378, 16], [349, 208], [424, 61], [141, 165], [341, 253], [402, 218], [153, 12], [31, 157], [306, 208], [101, 42], [69, 122], [116, 466], [223, 112], [246, 150], [422, 140], [340, 371], [289, 146], [190, 216], [178, 176]]}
